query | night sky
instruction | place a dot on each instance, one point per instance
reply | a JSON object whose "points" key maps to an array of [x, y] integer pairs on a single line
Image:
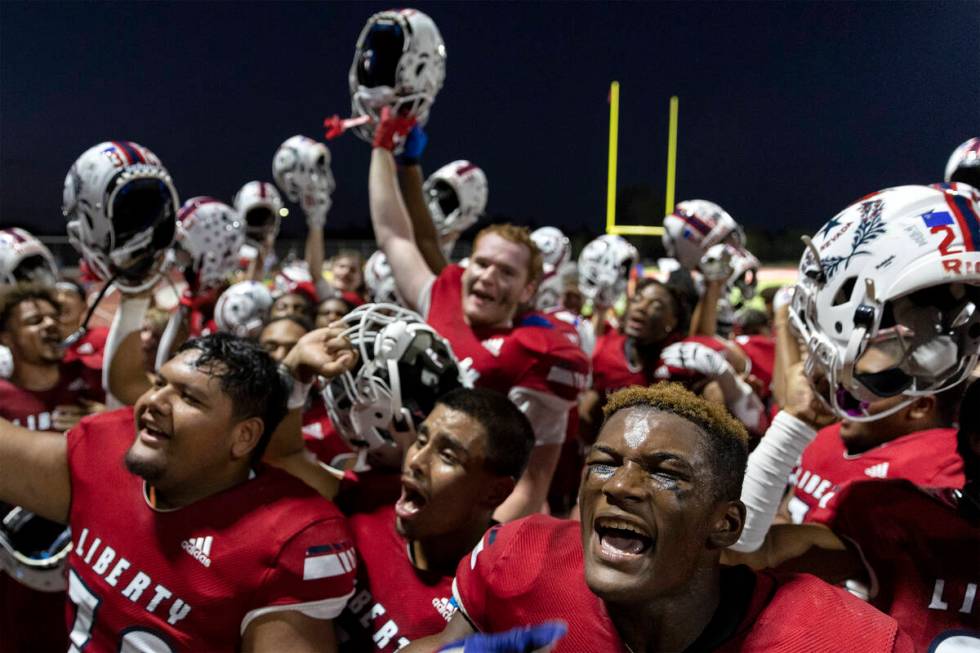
{"points": [[788, 111]]}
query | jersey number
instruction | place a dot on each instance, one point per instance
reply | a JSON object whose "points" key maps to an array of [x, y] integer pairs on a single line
{"points": [[133, 640]]}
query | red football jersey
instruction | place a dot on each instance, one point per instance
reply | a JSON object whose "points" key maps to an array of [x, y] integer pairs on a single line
{"points": [[610, 368], [761, 350], [320, 435], [923, 558], [533, 354], [194, 577], [32, 620], [926, 458], [395, 602], [33, 409], [531, 570]]}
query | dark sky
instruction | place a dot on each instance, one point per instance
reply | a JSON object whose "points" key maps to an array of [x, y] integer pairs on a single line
{"points": [[788, 111]]}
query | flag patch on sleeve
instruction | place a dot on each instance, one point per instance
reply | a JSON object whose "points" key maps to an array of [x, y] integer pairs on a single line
{"points": [[328, 560]]}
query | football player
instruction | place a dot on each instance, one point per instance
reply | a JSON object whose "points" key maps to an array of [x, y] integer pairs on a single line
{"points": [[882, 339], [181, 538], [44, 393], [469, 453], [476, 309], [655, 316], [641, 572]]}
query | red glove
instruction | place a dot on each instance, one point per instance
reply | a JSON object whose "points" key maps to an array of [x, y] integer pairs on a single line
{"points": [[392, 129]]}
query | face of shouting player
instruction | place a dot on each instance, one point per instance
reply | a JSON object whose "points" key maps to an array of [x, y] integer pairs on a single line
{"points": [[648, 512], [188, 441], [444, 483], [650, 317], [33, 333], [496, 281]]}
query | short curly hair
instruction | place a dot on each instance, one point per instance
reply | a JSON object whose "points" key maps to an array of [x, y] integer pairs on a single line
{"points": [[727, 439], [521, 236], [11, 296]]}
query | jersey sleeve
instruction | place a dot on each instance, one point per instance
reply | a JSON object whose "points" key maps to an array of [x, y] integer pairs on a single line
{"points": [[558, 366], [313, 573], [473, 586], [547, 413]]}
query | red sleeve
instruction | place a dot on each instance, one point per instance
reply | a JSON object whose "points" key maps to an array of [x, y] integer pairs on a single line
{"points": [[314, 572], [559, 367], [473, 587]]}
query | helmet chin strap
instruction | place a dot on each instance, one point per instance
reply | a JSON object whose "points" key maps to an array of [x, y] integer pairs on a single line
{"points": [[80, 332]]}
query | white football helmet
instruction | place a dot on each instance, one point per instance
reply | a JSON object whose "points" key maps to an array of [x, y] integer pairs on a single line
{"points": [[887, 298], [556, 253], [25, 258], [243, 309], [404, 366], [121, 206], [258, 204], [301, 168], [964, 163], [736, 265], [33, 551], [696, 225], [457, 196], [380, 280], [604, 268], [399, 62], [209, 237]]}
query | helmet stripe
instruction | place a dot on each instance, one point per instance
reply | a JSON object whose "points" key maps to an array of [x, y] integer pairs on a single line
{"points": [[967, 219], [262, 189], [133, 152], [123, 151], [697, 223]]}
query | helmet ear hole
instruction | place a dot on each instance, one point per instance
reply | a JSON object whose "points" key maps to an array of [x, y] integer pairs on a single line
{"points": [[843, 294]]}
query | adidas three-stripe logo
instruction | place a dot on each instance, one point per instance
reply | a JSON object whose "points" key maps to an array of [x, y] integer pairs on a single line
{"points": [[877, 471], [199, 548]]}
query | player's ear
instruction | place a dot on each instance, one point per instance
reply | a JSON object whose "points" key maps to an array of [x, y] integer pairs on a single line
{"points": [[245, 437], [527, 293], [728, 520], [922, 407]]}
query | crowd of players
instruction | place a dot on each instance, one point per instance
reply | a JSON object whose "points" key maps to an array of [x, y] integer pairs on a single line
{"points": [[511, 452]]}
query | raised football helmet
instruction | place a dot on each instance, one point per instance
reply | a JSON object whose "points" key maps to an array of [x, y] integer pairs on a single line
{"points": [[301, 168], [696, 225], [121, 207], [404, 366], [380, 280], [604, 268], [556, 253], [964, 163], [33, 551], [887, 298], [258, 204], [25, 258], [209, 237], [457, 196], [736, 265], [399, 62], [243, 309]]}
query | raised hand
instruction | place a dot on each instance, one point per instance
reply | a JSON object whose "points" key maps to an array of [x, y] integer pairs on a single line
{"points": [[392, 130], [323, 351]]}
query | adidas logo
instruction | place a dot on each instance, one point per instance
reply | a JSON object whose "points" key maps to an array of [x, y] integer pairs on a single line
{"points": [[877, 471], [493, 345], [199, 548], [445, 607]]}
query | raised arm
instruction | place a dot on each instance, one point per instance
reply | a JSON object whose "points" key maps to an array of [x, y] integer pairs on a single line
{"points": [[426, 238], [34, 472], [389, 216]]}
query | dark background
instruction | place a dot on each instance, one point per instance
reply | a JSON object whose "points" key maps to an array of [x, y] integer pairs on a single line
{"points": [[788, 111]]}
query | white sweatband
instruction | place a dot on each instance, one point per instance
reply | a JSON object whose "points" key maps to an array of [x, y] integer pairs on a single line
{"points": [[128, 318], [298, 395], [767, 475]]}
